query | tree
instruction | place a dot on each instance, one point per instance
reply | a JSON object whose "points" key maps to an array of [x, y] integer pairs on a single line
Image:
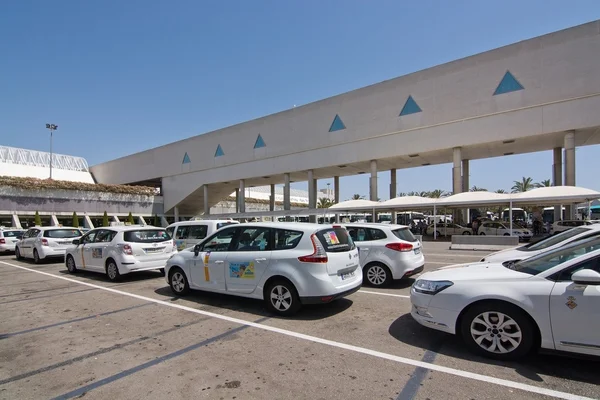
{"points": [[437, 193], [358, 197], [156, 220], [423, 194], [544, 183], [477, 189], [105, 219], [37, 220], [500, 191], [130, 219], [324, 202], [523, 186], [402, 194], [75, 221]]}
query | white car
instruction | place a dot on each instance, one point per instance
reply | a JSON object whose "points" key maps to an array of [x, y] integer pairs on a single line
{"points": [[119, 250], [41, 243], [533, 249], [551, 300], [561, 226], [387, 252], [189, 233], [496, 228], [284, 264], [447, 229], [9, 238]]}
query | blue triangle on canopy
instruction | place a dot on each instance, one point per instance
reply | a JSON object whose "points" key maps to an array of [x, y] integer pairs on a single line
{"points": [[259, 142], [410, 107], [219, 151], [186, 159], [508, 84], [337, 124]]}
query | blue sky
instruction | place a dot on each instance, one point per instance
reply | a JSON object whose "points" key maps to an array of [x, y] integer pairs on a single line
{"points": [[123, 76]]}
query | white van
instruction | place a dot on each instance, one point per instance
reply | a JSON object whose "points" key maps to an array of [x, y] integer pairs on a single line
{"points": [[189, 233]]}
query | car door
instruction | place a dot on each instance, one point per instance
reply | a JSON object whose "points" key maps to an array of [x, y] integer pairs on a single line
{"points": [[207, 269], [575, 311], [248, 259], [360, 237], [29, 242], [98, 250], [180, 236], [85, 250]]}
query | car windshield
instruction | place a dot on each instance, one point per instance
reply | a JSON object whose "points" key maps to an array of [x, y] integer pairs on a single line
{"points": [[222, 224], [404, 234], [12, 233], [552, 240], [62, 233], [550, 259], [146, 236], [335, 240]]}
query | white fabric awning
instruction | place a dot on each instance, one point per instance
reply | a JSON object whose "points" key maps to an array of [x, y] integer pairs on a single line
{"points": [[355, 205], [407, 202], [473, 199], [555, 195]]}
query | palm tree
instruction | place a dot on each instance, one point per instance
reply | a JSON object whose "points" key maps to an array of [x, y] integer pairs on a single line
{"points": [[402, 194], [500, 191], [423, 194], [544, 183], [437, 193], [358, 197], [412, 193], [523, 186], [477, 189], [324, 202]]}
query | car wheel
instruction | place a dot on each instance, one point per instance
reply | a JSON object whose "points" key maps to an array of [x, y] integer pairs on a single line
{"points": [[438, 234], [498, 330], [466, 233], [178, 282], [71, 267], [282, 298], [112, 271], [162, 271], [36, 257], [18, 255], [482, 234], [377, 275], [507, 234]]}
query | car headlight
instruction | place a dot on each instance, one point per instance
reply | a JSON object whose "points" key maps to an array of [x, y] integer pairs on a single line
{"points": [[431, 287]]}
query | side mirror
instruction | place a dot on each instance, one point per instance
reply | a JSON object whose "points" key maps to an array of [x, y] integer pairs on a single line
{"points": [[196, 250], [75, 242], [586, 277]]}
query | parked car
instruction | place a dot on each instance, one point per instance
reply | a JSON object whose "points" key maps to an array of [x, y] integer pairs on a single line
{"points": [[550, 300], [40, 243], [533, 249], [447, 229], [189, 233], [387, 252], [561, 226], [119, 250], [8, 239], [497, 228], [284, 264]]}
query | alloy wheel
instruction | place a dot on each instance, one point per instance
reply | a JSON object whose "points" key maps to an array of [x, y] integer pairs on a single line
{"points": [[111, 271], [178, 282], [496, 332], [281, 298], [376, 275]]}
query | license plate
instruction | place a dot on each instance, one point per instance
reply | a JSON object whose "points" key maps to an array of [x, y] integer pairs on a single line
{"points": [[65, 242], [418, 250], [154, 250], [347, 275]]}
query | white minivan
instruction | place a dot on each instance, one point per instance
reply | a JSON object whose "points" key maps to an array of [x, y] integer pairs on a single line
{"points": [[189, 233]]}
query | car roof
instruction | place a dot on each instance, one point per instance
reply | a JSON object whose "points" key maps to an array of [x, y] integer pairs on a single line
{"points": [[375, 225], [304, 226], [196, 221], [125, 228], [51, 228]]}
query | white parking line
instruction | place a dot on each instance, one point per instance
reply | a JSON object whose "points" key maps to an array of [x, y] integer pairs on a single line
{"points": [[438, 262], [450, 255], [384, 294], [314, 339]]}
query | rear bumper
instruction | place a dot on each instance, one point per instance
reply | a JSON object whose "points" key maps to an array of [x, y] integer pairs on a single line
{"points": [[50, 252], [414, 271], [130, 264], [5, 248], [329, 298]]}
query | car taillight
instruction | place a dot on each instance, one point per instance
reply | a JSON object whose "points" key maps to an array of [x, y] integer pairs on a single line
{"points": [[399, 246], [318, 256], [127, 249], [2, 241], [44, 242]]}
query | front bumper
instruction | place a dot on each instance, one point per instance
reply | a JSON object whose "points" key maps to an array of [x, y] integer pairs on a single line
{"points": [[432, 317]]}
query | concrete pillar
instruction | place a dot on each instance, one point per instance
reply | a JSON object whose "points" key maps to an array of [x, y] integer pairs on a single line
{"points": [[142, 221], [373, 181], [570, 210], [336, 195], [176, 213], [312, 195], [116, 219], [465, 187], [237, 200], [206, 205], [393, 188], [557, 172], [16, 222], [457, 186], [286, 192], [87, 222], [242, 196], [163, 221], [272, 198]]}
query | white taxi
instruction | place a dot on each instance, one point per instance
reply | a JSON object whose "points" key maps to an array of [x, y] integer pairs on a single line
{"points": [[43, 242], [189, 233], [284, 264], [119, 250], [9, 238]]}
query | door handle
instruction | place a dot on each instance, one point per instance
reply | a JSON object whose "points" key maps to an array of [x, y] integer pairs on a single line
{"points": [[260, 259], [218, 262]]}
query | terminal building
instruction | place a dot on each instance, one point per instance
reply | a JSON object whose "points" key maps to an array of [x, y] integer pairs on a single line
{"points": [[541, 94]]}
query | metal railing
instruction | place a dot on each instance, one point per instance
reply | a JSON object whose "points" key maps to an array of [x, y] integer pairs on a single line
{"points": [[13, 155]]}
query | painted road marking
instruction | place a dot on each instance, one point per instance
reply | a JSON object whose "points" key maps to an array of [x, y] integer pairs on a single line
{"points": [[361, 350], [385, 294], [450, 255]]}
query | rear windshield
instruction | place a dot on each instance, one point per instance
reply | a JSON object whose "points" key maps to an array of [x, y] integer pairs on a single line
{"points": [[222, 224], [12, 233], [335, 240], [62, 233], [554, 239], [404, 234], [147, 236]]}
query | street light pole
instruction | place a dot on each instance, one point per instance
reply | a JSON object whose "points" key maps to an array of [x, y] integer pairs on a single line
{"points": [[52, 128]]}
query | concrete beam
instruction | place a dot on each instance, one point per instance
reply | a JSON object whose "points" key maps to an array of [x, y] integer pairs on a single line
{"points": [[87, 222], [16, 222]]}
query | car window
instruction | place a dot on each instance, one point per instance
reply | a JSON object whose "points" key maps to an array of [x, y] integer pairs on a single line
{"points": [[220, 241], [335, 240], [358, 234], [62, 233], [555, 239], [404, 234], [182, 232], [12, 233], [286, 240], [253, 239], [566, 274], [171, 230], [105, 236], [146, 236], [197, 232], [377, 234], [224, 224], [550, 259], [89, 237]]}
